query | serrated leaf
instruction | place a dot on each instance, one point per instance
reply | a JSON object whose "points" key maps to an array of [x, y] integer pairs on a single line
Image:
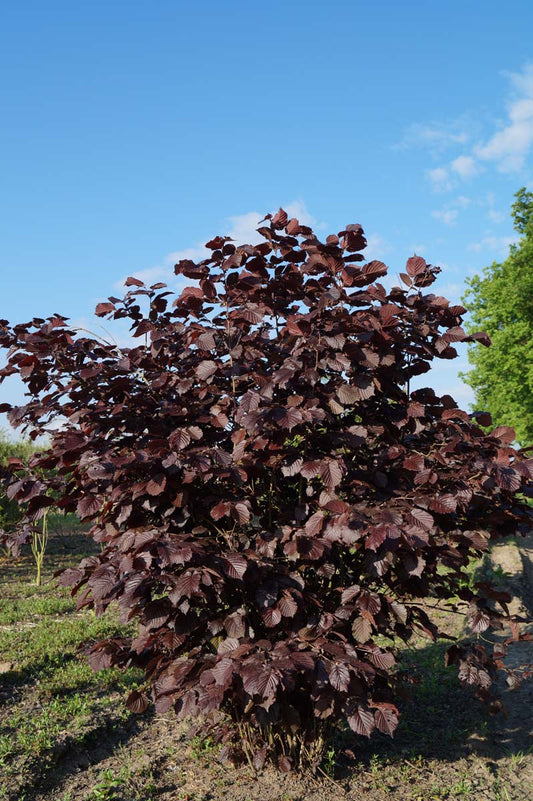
{"points": [[399, 611], [331, 473], [362, 629], [287, 605], [222, 672], [292, 469], [187, 584], [350, 593], [271, 616], [478, 620], [206, 369], [137, 702], [235, 625], [242, 512], [339, 677], [266, 683], [415, 463], [421, 517], [156, 485], [382, 659], [314, 525], [104, 308], [290, 418], [89, 506], [228, 645], [361, 721], [221, 509], [180, 438], [386, 719], [443, 504], [235, 565], [415, 266], [310, 469]]}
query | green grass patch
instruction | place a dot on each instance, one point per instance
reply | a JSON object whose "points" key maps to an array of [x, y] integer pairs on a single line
{"points": [[53, 700]]}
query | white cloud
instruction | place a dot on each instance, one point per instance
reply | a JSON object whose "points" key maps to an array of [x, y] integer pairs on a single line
{"points": [[377, 247], [523, 81], [498, 244], [451, 290], [506, 148], [194, 254], [435, 137], [243, 226], [440, 179], [298, 209], [447, 216], [242, 229], [509, 147], [450, 212], [495, 216], [465, 166]]}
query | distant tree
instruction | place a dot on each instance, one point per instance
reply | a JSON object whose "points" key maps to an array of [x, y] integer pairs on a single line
{"points": [[10, 511], [501, 303]]}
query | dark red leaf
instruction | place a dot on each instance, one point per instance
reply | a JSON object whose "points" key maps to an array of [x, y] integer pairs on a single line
{"points": [[331, 473], [156, 485], [478, 620], [223, 671], [361, 721], [339, 677], [137, 702], [362, 629], [104, 308], [386, 718], [415, 266], [206, 369], [421, 517], [235, 565], [350, 593], [271, 616], [89, 506]]}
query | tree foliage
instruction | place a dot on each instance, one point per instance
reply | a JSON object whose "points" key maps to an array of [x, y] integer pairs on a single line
{"points": [[501, 302], [10, 512], [272, 502]]}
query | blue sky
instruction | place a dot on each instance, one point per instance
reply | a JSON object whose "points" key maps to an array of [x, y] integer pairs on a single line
{"points": [[134, 131]]}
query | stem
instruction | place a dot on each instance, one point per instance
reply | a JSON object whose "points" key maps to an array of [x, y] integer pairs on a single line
{"points": [[38, 547]]}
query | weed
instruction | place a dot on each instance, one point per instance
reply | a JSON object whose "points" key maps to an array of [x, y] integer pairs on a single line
{"points": [[462, 788], [108, 787], [329, 762], [518, 758], [201, 746], [501, 793]]}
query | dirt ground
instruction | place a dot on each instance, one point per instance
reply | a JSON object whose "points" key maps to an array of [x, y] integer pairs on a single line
{"points": [[445, 748]]}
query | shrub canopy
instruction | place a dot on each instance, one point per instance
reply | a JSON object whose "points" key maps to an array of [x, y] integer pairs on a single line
{"points": [[269, 495]]}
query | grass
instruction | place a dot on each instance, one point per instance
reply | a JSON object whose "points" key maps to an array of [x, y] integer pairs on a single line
{"points": [[53, 701]]}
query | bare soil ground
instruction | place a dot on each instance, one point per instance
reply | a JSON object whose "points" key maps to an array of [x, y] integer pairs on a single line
{"points": [[65, 735]]}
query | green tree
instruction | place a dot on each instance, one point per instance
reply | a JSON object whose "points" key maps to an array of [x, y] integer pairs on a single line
{"points": [[10, 512], [500, 302]]}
